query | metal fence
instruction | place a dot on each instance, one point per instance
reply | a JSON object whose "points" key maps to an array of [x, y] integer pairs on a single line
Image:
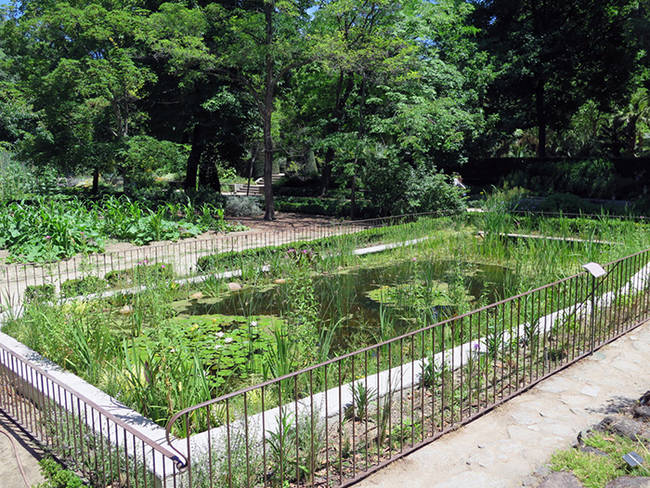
{"points": [[17, 279], [104, 448], [334, 423]]}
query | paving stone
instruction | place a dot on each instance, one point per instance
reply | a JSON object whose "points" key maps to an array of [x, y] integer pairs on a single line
{"points": [[562, 430], [526, 418], [630, 482], [555, 385], [470, 479], [518, 450], [591, 391], [561, 479], [624, 365]]}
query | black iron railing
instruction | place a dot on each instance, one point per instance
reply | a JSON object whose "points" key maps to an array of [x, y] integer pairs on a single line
{"points": [[334, 423]]}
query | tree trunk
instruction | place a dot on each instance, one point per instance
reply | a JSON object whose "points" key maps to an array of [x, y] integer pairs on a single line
{"points": [[361, 136], [95, 181], [208, 174], [194, 159], [267, 112], [541, 119], [326, 173], [269, 213]]}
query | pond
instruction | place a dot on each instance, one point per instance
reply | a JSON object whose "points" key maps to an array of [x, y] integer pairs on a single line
{"points": [[407, 293]]}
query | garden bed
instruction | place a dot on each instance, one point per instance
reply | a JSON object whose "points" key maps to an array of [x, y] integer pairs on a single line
{"points": [[167, 346]]}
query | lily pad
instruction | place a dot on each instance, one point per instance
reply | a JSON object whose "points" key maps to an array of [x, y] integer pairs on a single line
{"points": [[404, 293], [227, 322]]}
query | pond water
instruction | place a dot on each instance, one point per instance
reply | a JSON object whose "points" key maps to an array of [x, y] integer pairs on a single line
{"points": [[410, 292]]}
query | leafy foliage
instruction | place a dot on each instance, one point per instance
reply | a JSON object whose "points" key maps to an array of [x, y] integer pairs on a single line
{"points": [[56, 228]]}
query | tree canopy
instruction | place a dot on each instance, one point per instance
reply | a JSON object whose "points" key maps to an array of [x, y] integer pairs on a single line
{"points": [[361, 96]]}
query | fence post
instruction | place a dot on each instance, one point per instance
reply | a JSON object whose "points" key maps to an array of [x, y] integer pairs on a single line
{"points": [[596, 271]]}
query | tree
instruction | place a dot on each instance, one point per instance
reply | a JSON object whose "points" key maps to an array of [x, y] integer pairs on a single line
{"points": [[553, 56], [78, 65], [195, 99], [396, 88], [262, 42]]}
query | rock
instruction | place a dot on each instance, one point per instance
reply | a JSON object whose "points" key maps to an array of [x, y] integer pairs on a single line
{"points": [[196, 296], [280, 281], [617, 424], [234, 286], [561, 479], [126, 310], [593, 450], [630, 482], [642, 412], [645, 398]]}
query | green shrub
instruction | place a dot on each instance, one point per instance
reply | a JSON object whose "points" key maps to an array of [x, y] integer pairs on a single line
{"points": [[427, 191], [566, 202], [241, 206], [16, 180], [56, 476], [333, 207], [49, 229], [399, 189], [83, 286], [144, 154], [591, 178], [39, 293], [142, 273]]}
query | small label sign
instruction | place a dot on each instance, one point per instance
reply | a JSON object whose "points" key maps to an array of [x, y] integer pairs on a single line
{"points": [[595, 269], [633, 459]]}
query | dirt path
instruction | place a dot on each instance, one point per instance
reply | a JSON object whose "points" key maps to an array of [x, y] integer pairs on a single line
{"points": [[503, 448], [16, 447]]}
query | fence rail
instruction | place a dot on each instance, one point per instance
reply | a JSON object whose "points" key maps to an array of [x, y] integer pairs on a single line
{"points": [[334, 423], [104, 448], [16, 279]]}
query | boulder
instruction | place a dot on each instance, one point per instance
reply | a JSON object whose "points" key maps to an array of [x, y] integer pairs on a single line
{"points": [[642, 412], [645, 398], [626, 427], [629, 482], [561, 479]]}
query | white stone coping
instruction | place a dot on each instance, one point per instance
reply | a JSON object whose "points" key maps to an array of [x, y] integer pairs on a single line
{"points": [[70, 395]]}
